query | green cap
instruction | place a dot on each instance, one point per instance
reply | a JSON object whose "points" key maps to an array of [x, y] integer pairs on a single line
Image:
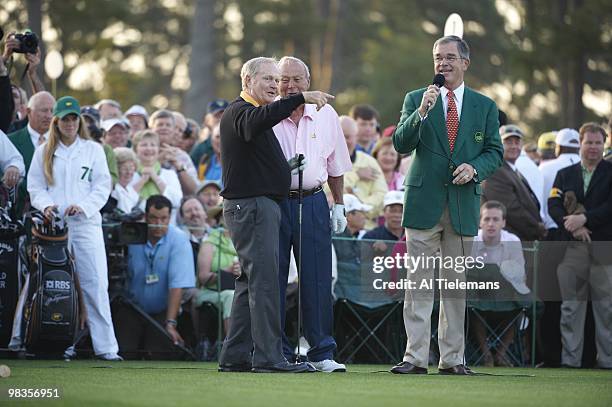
{"points": [[66, 105]]}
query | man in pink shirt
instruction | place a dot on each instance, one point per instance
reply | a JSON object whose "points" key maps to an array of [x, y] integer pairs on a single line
{"points": [[318, 136]]}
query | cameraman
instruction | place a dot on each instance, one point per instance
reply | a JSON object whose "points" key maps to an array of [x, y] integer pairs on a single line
{"points": [[15, 45], [158, 271]]}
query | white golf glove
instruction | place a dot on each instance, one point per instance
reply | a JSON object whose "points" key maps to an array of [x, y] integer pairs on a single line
{"points": [[338, 219], [293, 164]]}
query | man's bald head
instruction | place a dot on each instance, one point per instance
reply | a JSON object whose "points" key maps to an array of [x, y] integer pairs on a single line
{"points": [[350, 130], [40, 111]]}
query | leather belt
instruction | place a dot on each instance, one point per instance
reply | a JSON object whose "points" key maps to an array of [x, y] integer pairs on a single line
{"points": [[295, 194]]}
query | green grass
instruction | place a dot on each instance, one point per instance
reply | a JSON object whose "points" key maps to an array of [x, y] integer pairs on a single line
{"points": [[87, 383]]}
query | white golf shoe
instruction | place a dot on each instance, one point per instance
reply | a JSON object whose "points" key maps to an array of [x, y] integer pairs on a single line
{"points": [[329, 366]]}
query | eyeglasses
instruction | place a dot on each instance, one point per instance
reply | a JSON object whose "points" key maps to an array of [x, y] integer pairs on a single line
{"points": [[449, 58]]}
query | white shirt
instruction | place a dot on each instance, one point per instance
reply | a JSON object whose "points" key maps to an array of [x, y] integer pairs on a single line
{"points": [[126, 197], [532, 174], [9, 155], [80, 177], [549, 170], [35, 136], [458, 99]]}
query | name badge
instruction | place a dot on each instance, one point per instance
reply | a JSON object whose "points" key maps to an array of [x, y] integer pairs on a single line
{"points": [[152, 278]]}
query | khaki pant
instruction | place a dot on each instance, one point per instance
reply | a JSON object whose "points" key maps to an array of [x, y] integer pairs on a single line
{"points": [[580, 279], [418, 304]]}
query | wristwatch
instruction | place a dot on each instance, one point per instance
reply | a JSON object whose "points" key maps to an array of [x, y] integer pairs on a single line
{"points": [[475, 177]]}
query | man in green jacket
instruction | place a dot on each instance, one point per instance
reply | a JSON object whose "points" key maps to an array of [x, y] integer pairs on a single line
{"points": [[454, 134], [40, 113]]}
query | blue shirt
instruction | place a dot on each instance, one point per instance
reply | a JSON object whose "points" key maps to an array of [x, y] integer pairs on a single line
{"points": [[213, 172], [171, 260]]}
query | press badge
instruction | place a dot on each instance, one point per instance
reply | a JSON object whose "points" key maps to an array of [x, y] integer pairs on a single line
{"points": [[152, 278]]}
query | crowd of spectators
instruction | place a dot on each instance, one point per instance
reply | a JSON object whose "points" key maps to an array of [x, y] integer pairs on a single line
{"points": [[169, 166]]}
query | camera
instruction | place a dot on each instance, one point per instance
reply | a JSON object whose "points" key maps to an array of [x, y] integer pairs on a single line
{"points": [[28, 43], [122, 229]]}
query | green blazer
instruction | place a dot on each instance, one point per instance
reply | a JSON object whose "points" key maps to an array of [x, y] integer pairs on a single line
{"points": [[21, 140], [428, 183]]}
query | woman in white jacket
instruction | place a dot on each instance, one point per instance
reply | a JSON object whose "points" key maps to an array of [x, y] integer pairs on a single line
{"points": [[69, 173]]}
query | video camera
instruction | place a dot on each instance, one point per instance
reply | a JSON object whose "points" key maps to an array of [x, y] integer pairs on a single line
{"points": [[122, 229], [28, 42]]}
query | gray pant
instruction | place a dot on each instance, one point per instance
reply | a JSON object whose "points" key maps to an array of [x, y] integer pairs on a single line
{"points": [[581, 279], [255, 320]]}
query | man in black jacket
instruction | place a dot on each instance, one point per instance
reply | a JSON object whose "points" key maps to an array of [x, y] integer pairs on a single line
{"points": [[581, 204], [256, 177]]}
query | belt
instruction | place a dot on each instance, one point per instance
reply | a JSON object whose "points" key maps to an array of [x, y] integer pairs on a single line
{"points": [[295, 194]]}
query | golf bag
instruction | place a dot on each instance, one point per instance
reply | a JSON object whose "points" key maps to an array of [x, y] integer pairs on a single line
{"points": [[11, 265], [51, 311]]}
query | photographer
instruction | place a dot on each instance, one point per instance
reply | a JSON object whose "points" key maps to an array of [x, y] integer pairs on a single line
{"points": [[27, 44], [69, 174], [158, 272]]}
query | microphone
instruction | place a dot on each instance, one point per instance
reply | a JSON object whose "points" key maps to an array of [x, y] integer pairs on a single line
{"points": [[438, 80]]}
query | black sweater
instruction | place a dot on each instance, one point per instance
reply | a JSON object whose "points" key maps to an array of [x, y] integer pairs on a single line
{"points": [[252, 160]]}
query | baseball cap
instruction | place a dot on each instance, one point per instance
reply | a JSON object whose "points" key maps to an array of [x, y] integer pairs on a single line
{"points": [[352, 203], [137, 110], [568, 138], [510, 130], [217, 105], [546, 141], [209, 183], [393, 198], [66, 105], [388, 131], [110, 123], [91, 112]]}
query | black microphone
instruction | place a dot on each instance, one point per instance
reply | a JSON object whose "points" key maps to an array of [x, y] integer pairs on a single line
{"points": [[438, 80]]}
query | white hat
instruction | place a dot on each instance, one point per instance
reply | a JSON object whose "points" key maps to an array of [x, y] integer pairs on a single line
{"points": [[137, 110], [568, 138], [394, 198], [514, 273], [352, 203], [110, 123]]}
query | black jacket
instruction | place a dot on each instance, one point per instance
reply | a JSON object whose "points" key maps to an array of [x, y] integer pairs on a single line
{"points": [[6, 103], [252, 160], [597, 202]]}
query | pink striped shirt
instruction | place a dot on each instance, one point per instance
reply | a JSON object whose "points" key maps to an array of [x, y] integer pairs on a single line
{"points": [[319, 137]]}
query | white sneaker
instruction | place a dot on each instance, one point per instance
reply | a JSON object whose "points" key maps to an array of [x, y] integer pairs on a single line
{"points": [[329, 365]]}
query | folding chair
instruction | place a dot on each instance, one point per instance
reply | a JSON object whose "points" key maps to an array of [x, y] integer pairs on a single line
{"points": [[514, 354], [501, 312], [373, 329], [368, 323]]}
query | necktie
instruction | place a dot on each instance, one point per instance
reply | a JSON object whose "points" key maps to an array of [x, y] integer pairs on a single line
{"points": [[452, 120], [41, 139]]}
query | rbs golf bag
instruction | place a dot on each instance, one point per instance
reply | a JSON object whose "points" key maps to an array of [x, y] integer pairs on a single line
{"points": [[51, 311]]}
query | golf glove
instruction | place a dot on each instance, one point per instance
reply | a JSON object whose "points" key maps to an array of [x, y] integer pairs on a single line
{"points": [[293, 164], [338, 219]]}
